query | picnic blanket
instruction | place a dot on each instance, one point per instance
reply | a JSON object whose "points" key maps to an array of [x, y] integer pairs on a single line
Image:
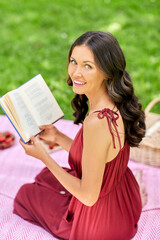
{"points": [[16, 168]]}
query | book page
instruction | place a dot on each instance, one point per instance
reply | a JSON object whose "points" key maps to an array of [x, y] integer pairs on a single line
{"points": [[31, 105], [26, 119], [39, 99], [8, 112], [10, 109]]}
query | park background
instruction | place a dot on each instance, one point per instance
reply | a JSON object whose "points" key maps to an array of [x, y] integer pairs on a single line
{"points": [[35, 37]]}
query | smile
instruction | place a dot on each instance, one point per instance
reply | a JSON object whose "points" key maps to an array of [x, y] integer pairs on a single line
{"points": [[78, 83]]}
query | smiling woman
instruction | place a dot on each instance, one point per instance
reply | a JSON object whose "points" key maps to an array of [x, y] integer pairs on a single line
{"points": [[84, 71], [99, 191]]}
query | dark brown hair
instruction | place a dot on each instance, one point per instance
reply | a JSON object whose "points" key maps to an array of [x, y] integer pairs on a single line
{"points": [[110, 59]]}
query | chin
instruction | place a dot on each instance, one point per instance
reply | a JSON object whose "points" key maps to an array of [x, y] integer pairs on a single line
{"points": [[78, 91]]}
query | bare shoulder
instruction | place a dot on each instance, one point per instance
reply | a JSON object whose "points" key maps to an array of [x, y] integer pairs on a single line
{"points": [[97, 130], [92, 122]]}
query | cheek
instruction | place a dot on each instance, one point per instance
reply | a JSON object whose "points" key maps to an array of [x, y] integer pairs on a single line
{"points": [[101, 77], [70, 70]]}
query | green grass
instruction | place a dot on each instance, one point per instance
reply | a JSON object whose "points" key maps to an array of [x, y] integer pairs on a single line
{"points": [[36, 36]]}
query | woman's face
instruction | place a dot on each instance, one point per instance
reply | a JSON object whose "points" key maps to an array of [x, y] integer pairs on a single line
{"points": [[86, 76]]}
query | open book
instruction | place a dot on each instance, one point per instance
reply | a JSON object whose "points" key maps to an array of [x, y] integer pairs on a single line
{"points": [[29, 106]]}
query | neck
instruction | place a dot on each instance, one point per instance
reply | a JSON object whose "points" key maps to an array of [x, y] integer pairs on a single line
{"points": [[100, 102]]}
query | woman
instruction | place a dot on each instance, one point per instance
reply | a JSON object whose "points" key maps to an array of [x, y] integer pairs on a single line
{"points": [[98, 198]]}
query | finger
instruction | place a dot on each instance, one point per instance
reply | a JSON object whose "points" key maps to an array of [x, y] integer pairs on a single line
{"points": [[43, 127], [42, 133], [48, 142], [23, 144], [33, 139], [41, 137]]}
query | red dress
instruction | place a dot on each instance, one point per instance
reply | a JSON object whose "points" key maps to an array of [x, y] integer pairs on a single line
{"points": [[113, 217]]}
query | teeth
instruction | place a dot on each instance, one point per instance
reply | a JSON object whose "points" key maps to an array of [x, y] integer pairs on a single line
{"points": [[79, 82]]}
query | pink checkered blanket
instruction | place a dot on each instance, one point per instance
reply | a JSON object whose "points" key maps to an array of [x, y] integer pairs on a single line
{"points": [[16, 168]]}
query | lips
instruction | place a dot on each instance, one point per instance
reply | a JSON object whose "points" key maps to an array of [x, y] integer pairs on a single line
{"points": [[79, 83]]}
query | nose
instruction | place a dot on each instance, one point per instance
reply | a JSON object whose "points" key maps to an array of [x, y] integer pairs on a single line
{"points": [[77, 72]]}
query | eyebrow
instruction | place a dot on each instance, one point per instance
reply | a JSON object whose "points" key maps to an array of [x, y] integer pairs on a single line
{"points": [[86, 61]]}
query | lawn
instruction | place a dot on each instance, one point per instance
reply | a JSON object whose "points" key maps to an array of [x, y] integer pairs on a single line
{"points": [[36, 36]]}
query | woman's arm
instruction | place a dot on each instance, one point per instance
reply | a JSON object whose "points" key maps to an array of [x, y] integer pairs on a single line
{"points": [[52, 135], [94, 155], [64, 141]]}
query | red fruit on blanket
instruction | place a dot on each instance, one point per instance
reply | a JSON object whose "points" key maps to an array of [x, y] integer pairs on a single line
{"points": [[2, 139], [51, 146], [6, 140], [7, 134], [9, 140], [4, 145]]}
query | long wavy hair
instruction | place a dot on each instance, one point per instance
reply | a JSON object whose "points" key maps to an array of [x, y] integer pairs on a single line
{"points": [[111, 61]]}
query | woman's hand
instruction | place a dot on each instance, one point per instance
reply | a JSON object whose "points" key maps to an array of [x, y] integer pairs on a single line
{"points": [[49, 134], [34, 148], [52, 136]]}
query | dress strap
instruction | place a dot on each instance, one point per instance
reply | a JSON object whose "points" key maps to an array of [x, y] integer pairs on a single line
{"points": [[111, 116]]}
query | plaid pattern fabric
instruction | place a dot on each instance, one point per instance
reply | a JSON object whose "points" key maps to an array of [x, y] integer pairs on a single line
{"points": [[16, 168]]}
